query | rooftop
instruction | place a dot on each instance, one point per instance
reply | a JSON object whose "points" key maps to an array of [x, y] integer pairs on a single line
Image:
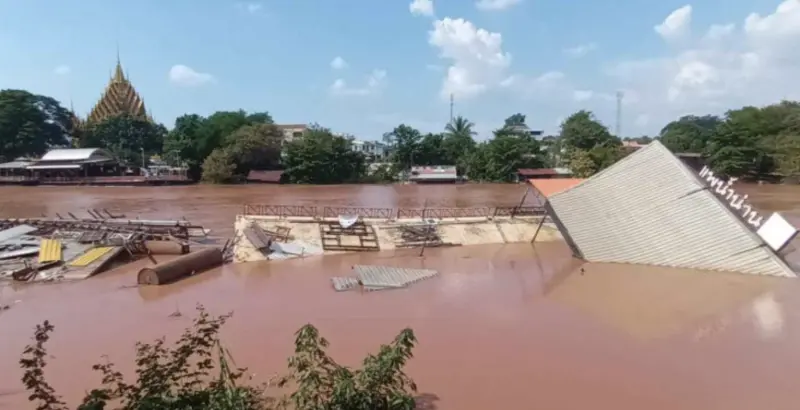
{"points": [[76, 154]]}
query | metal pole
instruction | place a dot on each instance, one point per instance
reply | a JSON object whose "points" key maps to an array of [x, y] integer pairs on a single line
{"points": [[619, 114]]}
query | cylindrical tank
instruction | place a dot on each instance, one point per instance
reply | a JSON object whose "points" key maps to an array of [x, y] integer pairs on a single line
{"points": [[183, 266]]}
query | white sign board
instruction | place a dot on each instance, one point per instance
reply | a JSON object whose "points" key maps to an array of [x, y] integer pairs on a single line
{"points": [[777, 232]]}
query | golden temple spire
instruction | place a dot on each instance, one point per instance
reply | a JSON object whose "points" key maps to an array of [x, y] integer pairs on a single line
{"points": [[118, 98]]}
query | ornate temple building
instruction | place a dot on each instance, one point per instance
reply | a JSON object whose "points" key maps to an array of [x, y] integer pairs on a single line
{"points": [[119, 97]]}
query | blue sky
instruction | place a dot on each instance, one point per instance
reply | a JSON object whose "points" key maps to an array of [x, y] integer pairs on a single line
{"points": [[398, 63]]}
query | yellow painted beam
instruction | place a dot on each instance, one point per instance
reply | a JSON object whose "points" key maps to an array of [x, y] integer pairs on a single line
{"points": [[91, 255], [50, 251]]}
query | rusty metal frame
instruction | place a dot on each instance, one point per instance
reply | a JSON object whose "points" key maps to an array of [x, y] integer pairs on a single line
{"points": [[284, 211], [371, 213]]}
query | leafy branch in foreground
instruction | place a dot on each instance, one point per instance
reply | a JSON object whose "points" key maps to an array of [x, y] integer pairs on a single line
{"points": [[197, 372]]}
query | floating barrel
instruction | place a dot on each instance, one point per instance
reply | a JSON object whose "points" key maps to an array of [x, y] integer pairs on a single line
{"points": [[166, 247], [181, 267]]}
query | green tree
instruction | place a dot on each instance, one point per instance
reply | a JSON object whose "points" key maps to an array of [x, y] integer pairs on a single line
{"points": [[405, 145], [223, 123], [256, 146], [219, 167], [458, 141], [197, 372], [431, 151], [126, 136], [737, 147], [582, 164], [515, 120], [31, 124], [689, 133], [498, 159], [582, 131], [320, 157]]}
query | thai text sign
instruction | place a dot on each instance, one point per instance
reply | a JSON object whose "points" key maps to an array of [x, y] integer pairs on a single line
{"points": [[724, 189]]}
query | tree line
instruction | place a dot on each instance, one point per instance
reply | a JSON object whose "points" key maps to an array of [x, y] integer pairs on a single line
{"points": [[750, 143]]}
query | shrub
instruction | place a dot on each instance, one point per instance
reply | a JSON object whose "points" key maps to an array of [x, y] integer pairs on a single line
{"points": [[197, 372]]}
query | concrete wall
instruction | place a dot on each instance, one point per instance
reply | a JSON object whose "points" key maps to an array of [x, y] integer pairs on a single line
{"points": [[305, 233]]}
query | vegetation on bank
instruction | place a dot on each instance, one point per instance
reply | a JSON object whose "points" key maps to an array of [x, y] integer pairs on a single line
{"points": [[197, 372], [750, 142]]}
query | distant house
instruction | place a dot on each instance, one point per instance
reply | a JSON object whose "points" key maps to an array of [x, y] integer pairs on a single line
{"points": [[16, 170], [434, 174], [524, 174], [76, 162], [292, 131]]}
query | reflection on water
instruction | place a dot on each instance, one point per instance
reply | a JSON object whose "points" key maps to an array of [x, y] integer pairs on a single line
{"points": [[507, 327], [768, 315]]}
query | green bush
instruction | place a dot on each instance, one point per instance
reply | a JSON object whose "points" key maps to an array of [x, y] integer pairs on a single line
{"points": [[197, 372]]}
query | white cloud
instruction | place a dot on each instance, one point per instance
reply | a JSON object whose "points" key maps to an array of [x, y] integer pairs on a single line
{"points": [[720, 31], [375, 82], [338, 63], [421, 7], [250, 7], [580, 50], [184, 76], [495, 4], [62, 70], [476, 58], [729, 66], [677, 24], [582, 95]]}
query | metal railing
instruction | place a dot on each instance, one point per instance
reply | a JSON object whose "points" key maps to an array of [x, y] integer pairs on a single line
{"points": [[284, 211]]}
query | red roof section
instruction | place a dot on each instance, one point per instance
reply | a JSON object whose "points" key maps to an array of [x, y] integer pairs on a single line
{"points": [[529, 172], [548, 187]]}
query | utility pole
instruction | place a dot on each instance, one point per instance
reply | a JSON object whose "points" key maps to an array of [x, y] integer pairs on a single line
{"points": [[451, 107], [619, 114]]}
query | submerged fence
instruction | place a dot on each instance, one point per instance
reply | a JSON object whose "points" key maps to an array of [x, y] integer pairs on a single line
{"points": [[284, 211]]}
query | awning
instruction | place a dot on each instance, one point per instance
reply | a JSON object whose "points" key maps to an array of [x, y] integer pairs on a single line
{"points": [[54, 167]]}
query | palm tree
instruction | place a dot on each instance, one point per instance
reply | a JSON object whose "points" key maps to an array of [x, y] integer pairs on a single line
{"points": [[460, 127]]}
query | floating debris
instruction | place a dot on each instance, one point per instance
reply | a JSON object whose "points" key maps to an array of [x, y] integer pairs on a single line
{"points": [[344, 283], [373, 277], [59, 248]]}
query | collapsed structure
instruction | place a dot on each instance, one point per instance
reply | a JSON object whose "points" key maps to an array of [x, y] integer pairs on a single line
{"points": [[650, 208]]}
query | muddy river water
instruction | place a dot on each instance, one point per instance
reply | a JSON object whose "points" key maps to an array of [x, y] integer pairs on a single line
{"points": [[503, 326]]}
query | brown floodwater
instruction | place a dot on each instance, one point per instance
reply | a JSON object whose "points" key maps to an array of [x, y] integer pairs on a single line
{"points": [[503, 326]]}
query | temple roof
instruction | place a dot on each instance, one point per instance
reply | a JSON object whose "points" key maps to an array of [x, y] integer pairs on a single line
{"points": [[119, 97]]}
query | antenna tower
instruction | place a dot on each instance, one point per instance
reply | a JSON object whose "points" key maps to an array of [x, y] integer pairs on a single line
{"points": [[618, 127], [451, 107]]}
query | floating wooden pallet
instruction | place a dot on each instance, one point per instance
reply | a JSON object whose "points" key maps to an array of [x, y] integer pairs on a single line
{"points": [[361, 235]]}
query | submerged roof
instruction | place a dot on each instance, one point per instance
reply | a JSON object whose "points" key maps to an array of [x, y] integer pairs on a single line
{"points": [[650, 208], [76, 154]]}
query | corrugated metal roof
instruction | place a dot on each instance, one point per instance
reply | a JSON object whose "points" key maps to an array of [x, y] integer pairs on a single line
{"points": [[15, 165], [76, 154], [649, 208]]}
